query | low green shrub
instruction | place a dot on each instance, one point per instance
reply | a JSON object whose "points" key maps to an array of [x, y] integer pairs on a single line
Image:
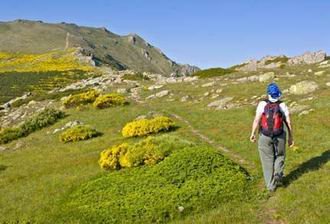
{"points": [[81, 98], [9, 134], [78, 133], [146, 152], [43, 119], [145, 127], [189, 181], [108, 100], [135, 77], [282, 59], [213, 72]]}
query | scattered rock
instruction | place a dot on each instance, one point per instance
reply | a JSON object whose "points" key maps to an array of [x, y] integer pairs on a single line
{"points": [[219, 90], [297, 108], [70, 124], [303, 87], [18, 145], [185, 98], [150, 97], [209, 84], [221, 104], [327, 84], [319, 73], [309, 70], [266, 76], [243, 79], [180, 208], [206, 94], [252, 78], [162, 93], [289, 75], [140, 117], [122, 90], [214, 96], [305, 112], [153, 87], [190, 78]]}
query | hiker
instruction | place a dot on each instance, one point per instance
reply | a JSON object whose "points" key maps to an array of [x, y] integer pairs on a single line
{"points": [[271, 115]]}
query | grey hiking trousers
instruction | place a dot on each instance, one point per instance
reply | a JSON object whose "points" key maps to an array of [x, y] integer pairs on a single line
{"points": [[272, 156]]}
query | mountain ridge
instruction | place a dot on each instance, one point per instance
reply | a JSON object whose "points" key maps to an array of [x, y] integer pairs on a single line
{"points": [[106, 48]]}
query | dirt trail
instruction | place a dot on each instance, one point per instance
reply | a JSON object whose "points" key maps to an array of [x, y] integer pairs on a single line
{"points": [[237, 158]]}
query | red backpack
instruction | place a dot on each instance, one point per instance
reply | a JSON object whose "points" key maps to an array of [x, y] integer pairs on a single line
{"points": [[272, 118]]}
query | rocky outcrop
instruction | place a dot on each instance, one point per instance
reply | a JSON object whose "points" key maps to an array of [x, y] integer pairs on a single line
{"points": [[84, 56], [308, 58], [8, 105], [271, 62], [267, 62], [186, 70], [17, 115], [224, 103], [266, 76], [159, 94], [303, 87]]}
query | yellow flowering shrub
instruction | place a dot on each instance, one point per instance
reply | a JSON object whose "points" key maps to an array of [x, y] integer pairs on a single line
{"points": [[145, 127], [110, 157], [81, 98], [78, 133], [148, 151], [108, 100], [57, 60]]}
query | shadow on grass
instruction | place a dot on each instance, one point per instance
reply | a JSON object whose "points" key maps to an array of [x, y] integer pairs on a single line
{"points": [[310, 165], [2, 168]]}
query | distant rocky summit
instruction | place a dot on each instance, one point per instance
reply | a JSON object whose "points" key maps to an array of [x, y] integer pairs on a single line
{"points": [[308, 58], [96, 46], [270, 62]]}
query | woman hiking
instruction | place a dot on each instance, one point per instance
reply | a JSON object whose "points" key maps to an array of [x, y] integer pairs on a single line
{"points": [[271, 115]]}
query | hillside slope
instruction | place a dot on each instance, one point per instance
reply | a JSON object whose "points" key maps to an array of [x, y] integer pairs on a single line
{"points": [[63, 182], [120, 52]]}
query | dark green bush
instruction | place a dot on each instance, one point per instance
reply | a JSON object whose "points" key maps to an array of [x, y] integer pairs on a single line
{"points": [[43, 119], [193, 178], [135, 77], [9, 134], [213, 72]]}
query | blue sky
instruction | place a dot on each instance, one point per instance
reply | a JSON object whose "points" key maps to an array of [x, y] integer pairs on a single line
{"points": [[207, 33]]}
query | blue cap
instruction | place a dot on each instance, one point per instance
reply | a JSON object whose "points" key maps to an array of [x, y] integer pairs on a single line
{"points": [[274, 91]]}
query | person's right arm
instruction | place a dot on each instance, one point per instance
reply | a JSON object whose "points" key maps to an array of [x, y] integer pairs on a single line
{"points": [[255, 125]]}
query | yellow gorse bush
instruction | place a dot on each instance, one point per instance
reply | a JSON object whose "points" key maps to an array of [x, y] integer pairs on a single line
{"points": [[145, 127], [57, 60], [108, 100], [148, 151], [81, 98], [78, 133], [110, 157]]}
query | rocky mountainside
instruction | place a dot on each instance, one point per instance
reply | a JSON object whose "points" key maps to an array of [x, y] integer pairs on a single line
{"points": [[105, 47]]}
